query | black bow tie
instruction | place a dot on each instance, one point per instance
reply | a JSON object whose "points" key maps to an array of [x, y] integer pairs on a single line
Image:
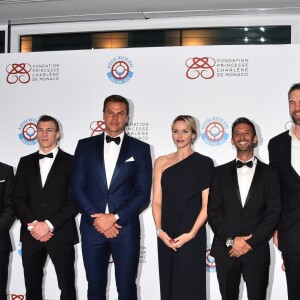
{"points": [[240, 164], [109, 139], [41, 156]]}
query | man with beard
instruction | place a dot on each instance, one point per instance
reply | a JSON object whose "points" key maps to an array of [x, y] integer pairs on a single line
{"points": [[284, 154], [243, 211]]}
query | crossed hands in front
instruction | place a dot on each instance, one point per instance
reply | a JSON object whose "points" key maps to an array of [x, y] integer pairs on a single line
{"points": [[176, 242], [106, 224], [40, 231], [240, 246]]}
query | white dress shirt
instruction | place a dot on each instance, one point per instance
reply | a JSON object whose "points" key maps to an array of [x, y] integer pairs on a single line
{"points": [[295, 151], [245, 177], [46, 164], [45, 167], [111, 154]]}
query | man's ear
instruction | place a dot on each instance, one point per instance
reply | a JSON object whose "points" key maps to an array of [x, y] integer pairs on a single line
{"points": [[58, 135]]}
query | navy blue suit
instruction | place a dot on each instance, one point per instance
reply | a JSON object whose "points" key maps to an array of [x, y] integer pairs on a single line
{"points": [[127, 195]]}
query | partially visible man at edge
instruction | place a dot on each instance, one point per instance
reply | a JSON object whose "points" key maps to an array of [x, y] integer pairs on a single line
{"points": [[7, 218], [284, 154]]}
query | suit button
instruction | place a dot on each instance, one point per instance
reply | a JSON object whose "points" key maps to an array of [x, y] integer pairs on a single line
{"points": [[242, 219], [43, 204]]}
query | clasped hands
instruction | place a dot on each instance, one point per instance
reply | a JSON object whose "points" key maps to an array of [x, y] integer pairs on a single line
{"points": [[106, 224], [240, 246], [40, 231], [176, 242]]}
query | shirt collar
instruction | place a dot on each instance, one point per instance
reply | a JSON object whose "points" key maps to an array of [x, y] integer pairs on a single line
{"points": [[54, 151], [253, 159], [291, 132]]}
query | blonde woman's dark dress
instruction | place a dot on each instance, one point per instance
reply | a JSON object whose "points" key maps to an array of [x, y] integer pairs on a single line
{"points": [[183, 273]]}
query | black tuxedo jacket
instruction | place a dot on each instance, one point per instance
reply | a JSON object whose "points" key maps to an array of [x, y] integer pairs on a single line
{"points": [[289, 226], [52, 202], [7, 216], [259, 216]]}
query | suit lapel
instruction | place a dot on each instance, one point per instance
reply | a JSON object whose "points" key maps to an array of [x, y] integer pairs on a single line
{"points": [[54, 166], [234, 178], [286, 147], [256, 178], [37, 171], [121, 158], [99, 158]]}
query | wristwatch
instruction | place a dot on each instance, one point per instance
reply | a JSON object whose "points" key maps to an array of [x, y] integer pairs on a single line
{"points": [[229, 242]]}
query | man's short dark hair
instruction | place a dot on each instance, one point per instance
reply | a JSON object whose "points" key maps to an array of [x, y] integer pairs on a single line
{"points": [[295, 86], [46, 118], [242, 120], [116, 98]]}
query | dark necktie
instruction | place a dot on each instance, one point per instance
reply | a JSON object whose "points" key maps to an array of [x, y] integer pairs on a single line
{"points": [[41, 156], [109, 139], [240, 164]]}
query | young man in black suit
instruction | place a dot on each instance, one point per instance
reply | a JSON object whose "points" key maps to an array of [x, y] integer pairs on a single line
{"points": [[43, 203], [243, 211], [284, 154], [7, 218]]}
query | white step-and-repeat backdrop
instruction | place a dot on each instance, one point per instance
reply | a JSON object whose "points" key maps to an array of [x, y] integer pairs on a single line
{"points": [[214, 84]]}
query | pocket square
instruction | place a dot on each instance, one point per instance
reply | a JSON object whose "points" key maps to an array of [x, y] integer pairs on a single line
{"points": [[3, 180], [130, 159]]}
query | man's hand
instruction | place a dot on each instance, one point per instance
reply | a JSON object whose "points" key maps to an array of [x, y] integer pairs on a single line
{"points": [[103, 222], [113, 231], [47, 237], [240, 246], [39, 230]]}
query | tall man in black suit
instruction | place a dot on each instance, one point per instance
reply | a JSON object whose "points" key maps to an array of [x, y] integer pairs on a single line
{"points": [[284, 154], [243, 211], [7, 218], [112, 184], [42, 201]]}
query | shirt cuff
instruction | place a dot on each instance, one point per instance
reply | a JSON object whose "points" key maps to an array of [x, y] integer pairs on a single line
{"points": [[116, 217], [29, 228], [50, 225]]}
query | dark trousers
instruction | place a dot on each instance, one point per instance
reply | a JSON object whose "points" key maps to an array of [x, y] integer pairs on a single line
{"points": [[4, 260], [125, 255], [292, 272], [256, 276], [34, 256]]}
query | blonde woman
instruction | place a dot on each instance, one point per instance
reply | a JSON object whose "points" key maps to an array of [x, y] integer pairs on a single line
{"points": [[180, 193]]}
